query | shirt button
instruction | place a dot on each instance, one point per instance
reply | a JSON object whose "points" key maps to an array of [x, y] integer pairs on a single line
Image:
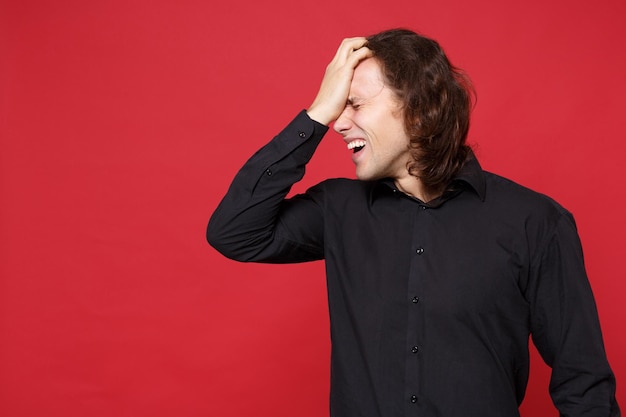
{"points": [[419, 251], [413, 399], [414, 349], [424, 207], [268, 172], [415, 300], [302, 134]]}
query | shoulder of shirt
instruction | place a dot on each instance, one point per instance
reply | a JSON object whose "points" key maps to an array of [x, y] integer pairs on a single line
{"points": [[521, 199], [341, 185], [347, 194], [338, 189], [501, 194]]}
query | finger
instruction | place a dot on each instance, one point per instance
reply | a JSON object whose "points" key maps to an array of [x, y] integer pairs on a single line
{"points": [[354, 43], [359, 55], [348, 46], [362, 53]]}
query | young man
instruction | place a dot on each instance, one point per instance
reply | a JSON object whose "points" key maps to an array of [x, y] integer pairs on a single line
{"points": [[437, 271]]}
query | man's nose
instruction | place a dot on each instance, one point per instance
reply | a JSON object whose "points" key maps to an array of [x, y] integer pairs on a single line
{"points": [[343, 122]]}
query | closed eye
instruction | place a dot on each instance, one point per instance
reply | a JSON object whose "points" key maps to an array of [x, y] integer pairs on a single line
{"points": [[351, 102]]}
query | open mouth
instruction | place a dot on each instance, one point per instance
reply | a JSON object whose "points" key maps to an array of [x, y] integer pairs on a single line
{"points": [[356, 145]]}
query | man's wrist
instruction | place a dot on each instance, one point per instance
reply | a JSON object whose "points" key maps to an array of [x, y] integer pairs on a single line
{"points": [[319, 116]]}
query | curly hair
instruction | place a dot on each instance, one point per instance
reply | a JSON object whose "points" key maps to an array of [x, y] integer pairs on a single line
{"points": [[437, 100]]}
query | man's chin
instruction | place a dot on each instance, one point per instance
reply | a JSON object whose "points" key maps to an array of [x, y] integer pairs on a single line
{"points": [[361, 176]]}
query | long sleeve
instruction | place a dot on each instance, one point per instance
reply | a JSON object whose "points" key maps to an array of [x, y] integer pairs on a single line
{"points": [[566, 329], [254, 221]]}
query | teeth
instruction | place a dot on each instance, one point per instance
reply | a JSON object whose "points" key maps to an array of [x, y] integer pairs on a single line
{"points": [[356, 144]]}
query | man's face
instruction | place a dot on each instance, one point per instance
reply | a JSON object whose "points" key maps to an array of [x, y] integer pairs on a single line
{"points": [[373, 127]]}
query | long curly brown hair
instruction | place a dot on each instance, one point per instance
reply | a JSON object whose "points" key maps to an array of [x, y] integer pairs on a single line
{"points": [[437, 100]]}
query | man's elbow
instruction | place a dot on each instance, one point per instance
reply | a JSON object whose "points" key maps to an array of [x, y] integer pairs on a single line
{"points": [[230, 243], [220, 241]]}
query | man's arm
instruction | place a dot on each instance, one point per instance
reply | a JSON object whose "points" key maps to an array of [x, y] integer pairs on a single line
{"points": [[254, 222], [247, 225], [566, 329]]}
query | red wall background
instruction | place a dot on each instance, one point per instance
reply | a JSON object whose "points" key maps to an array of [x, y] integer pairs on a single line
{"points": [[123, 122]]}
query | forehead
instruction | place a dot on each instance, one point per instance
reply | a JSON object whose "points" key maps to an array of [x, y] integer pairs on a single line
{"points": [[367, 79]]}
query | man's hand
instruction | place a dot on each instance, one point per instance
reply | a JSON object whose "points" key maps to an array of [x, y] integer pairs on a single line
{"points": [[333, 94]]}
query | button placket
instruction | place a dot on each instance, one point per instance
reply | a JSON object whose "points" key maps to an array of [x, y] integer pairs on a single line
{"points": [[417, 274]]}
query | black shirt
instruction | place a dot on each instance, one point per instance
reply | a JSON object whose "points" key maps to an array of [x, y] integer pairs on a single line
{"points": [[431, 305]]}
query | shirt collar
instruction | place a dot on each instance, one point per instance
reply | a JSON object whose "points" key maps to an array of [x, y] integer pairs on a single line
{"points": [[472, 174], [469, 176]]}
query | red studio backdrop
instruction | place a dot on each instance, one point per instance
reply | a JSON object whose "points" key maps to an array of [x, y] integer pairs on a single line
{"points": [[123, 122]]}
